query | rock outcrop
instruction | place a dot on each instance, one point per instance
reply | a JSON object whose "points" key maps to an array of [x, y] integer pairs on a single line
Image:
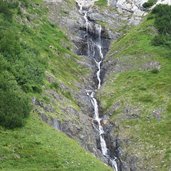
{"points": [[78, 124]]}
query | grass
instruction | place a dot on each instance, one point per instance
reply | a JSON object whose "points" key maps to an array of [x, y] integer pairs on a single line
{"points": [[35, 61], [31, 46], [39, 147], [101, 3], [144, 90]]}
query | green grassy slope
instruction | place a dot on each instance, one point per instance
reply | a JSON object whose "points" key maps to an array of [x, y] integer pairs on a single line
{"points": [[35, 56], [137, 94], [36, 60], [39, 147]]}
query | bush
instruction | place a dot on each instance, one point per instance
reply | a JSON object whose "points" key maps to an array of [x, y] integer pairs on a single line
{"points": [[162, 18], [163, 40], [55, 85], [4, 9], [14, 104], [14, 109], [9, 45], [29, 75], [149, 4], [155, 71], [162, 15]]}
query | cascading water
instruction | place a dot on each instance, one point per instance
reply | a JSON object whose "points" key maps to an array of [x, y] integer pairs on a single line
{"points": [[94, 48], [98, 64], [108, 2]]}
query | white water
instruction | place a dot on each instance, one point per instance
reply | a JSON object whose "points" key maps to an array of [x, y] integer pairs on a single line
{"points": [[98, 120], [86, 20], [80, 4], [91, 94], [108, 2], [98, 64], [99, 43]]}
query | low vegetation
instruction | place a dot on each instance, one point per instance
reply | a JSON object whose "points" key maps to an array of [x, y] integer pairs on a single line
{"points": [[35, 59], [162, 15], [101, 2], [20, 71], [149, 3], [139, 90], [31, 46], [38, 147]]}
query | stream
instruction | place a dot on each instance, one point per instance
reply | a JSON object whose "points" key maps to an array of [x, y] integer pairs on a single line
{"points": [[95, 52]]}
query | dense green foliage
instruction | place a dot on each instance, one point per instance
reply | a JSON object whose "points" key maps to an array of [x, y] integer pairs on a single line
{"points": [[149, 3], [14, 102], [14, 108], [24, 60], [162, 16], [14, 105]]}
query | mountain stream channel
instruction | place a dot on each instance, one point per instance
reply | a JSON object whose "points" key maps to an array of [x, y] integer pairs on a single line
{"points": [[96, 54]]}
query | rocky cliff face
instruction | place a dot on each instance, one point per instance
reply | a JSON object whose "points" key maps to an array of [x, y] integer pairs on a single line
{"points": [[116, 19], [70, 111], [78, 124]]}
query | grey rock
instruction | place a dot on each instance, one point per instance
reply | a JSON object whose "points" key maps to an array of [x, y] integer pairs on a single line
{"points": [[152, 65], [157, 113], [78, 124]]}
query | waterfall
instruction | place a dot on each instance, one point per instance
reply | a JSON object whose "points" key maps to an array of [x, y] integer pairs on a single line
{"points": [[98, 64], [99, 43], [95, 52], [98, 120], [108, 2], [86, 20]]}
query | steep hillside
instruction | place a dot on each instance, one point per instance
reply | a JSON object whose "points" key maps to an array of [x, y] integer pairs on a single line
{"points": [[40, 75], [78, 73], [38, 147], [136, 96]]}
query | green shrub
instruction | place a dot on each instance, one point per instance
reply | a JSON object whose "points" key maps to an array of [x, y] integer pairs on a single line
{"points": [[149, 4], [54, 85], [155, 71], [163, 40], [14, 104], [21, 67], [29, 75], [162, 15], [14, 108], [9, 44], [4, 9], [24, 61]]}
